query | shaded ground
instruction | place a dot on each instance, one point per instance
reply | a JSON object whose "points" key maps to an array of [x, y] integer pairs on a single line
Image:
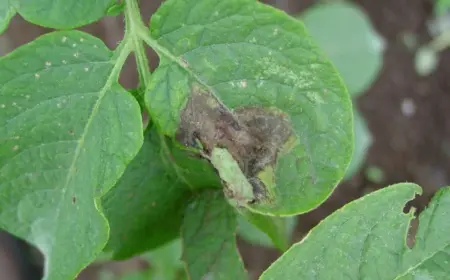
{"points": [[413, 147]]}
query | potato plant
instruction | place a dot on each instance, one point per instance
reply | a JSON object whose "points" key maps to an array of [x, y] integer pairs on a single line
{"points": [[248, 118]]}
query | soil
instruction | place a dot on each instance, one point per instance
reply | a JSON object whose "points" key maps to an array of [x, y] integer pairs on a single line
{"points": [[412, 147]]}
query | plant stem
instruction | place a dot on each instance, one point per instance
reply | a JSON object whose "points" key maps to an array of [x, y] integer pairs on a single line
{"points": [[441, 42], [133, 23]]}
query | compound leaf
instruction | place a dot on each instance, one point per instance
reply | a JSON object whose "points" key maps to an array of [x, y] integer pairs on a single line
{"points": [[368, 237], [209, 242], [248, 54], [66, 138]]}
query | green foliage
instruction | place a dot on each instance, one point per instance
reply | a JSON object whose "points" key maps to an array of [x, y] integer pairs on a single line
{"points": [[347, 36], [208, 234], [363, 140], [151, 200], [441, 7], [267, 231], [60, 14], [243, 105], [248, 54], [371, 244], [6, 13], [65, 140]]}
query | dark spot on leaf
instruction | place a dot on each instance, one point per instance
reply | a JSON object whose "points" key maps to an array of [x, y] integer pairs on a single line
{"points": [[71, 132], [254, 136], [74, 199]]}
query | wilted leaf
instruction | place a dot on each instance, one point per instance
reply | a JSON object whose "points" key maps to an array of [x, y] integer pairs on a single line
{"points": [[65, 140]]}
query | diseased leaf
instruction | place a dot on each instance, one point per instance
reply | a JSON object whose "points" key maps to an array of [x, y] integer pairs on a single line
{"points": [[65, 140], [145, 207], [208, 235], [347, 36], [368, 238], [62, 14], [7, 11], [249, 62]]}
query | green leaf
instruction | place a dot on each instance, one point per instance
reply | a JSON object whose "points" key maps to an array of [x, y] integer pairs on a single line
{"points": [[363, 140], [368, 237], [145, 207], [66, 138], [7, 11], [251, 55], [265, 230], [165, 262], [441, 7], [116, 9], [62, 14], [347, 36], [208, 235]]}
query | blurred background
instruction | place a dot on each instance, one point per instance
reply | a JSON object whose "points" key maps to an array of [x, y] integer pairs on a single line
{"points": [[394, 59]]}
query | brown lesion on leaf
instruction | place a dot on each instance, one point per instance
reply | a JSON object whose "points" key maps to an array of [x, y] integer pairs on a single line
{"points": [[254, 136]]}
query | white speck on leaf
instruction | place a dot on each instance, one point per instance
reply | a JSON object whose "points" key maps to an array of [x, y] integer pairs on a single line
{"points": [[408, 107], [275, 31], [16, 137], [27, 96], [48, 64], [253, 40], [15, 148], [81, 40], [86, 69], [37, 76], [232, 84], [58, 105], [2, 106], [76, 54], [74, 45], [216, 13], [64, 39], [95, 46], [243, 83], [14, 104], [64, 62]]}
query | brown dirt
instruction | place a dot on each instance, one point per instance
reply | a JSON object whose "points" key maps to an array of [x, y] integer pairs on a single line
{"points": [[407, 148]]}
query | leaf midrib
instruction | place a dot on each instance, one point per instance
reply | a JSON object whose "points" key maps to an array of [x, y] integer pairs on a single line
{"points": [[123, 51]]}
